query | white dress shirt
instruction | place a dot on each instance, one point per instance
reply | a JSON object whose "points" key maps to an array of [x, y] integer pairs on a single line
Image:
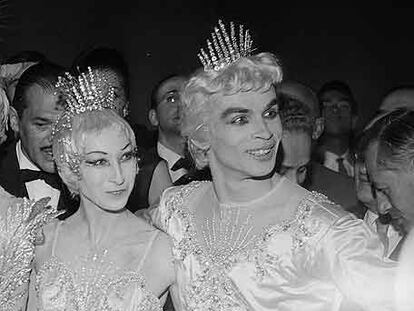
{"points": [[330, 161], [170, 157], [36, 189], [394, 237]]}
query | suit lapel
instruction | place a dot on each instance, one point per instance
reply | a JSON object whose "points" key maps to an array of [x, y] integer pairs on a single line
{"points": [[10, 173]]}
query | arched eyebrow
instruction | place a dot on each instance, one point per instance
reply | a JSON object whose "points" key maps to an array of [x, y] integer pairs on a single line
{"points": [[271, 104], [96, 151], [126, 146], [105, 153], [233, 110]]}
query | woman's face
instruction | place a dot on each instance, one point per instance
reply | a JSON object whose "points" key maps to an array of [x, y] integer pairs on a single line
{"points": [[245, 130], [108, 169]]}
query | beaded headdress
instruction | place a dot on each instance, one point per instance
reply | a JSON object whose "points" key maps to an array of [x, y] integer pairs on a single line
{"points": [[89, 91], [225, 48]]}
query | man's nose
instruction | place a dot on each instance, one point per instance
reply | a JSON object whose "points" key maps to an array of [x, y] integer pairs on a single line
{"points": [[383, 204]]}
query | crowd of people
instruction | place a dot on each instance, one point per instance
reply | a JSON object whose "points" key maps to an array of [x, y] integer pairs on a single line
{"points": [[250, 192]]}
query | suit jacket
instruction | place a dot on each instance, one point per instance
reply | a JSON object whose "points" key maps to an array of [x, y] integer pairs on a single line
{"points": [[337, 187], [139, 195], [11, 181]]}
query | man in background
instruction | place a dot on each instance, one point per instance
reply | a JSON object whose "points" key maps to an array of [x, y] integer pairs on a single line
{"points": [[27, 168], [340, 112], [303, 125]]}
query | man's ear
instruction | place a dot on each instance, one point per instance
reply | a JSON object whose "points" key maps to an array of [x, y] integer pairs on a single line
{"points": [[153, 117], [318, 128]]}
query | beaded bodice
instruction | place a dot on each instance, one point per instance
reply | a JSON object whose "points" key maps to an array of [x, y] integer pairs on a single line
{"points": [[95, 284], [212, 287]]}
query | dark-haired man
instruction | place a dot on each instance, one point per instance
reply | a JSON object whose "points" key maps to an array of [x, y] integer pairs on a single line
{"points": [[164, 115], [303, 125], [340, 111], [27, 168]]}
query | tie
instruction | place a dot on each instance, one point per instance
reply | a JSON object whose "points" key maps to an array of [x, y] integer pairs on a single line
{"points": [[30, 175], [382, 230], [341, 166], [181, 163]]}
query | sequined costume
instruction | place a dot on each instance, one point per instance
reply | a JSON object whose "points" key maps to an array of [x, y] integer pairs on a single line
{"points": [[21, 221], [92, 283], [321, 258]]}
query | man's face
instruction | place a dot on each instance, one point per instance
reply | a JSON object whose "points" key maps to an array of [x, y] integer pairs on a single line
{"points": [[296, 155], [394, 186], [35, 126], [336, 109], [364, 189], [245, 130], [168, 98]]}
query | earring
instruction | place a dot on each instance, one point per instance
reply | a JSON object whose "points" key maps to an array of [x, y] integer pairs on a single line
{"points": [[125, 110]]}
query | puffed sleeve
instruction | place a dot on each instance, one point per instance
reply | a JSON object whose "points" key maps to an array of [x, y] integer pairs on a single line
{"points": [[354, 256]]}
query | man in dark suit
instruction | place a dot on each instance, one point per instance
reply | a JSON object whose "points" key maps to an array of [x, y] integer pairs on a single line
{"points": [[170, 147], [27, 168], [302, 126]]}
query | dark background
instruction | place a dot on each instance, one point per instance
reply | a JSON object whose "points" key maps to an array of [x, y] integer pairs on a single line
{"points": [[370, 48]]}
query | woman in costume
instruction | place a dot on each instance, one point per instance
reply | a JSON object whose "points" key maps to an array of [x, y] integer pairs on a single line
{"points": [[103, 257], [251, 239]]}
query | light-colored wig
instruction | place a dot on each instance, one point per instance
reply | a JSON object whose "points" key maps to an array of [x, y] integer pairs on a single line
{"points": [[69, 142], [254, 73]]}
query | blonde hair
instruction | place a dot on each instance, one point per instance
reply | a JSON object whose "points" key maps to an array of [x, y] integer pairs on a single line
{"points": [[69, 142]]}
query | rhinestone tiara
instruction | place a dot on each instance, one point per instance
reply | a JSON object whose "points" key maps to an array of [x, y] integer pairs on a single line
{"points": [[224, 49], [88, 91]]}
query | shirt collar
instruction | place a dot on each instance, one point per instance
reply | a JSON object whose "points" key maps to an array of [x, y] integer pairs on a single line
{"points": [[370, 217], [334, 156], [24, 162], [167, 154]]}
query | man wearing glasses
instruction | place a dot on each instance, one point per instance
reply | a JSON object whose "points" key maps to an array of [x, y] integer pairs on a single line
{"points": [[340, 112]]}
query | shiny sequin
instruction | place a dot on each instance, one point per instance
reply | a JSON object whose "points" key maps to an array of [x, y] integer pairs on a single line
{"points": [[96, 284], [20, 229], [212, 288]]}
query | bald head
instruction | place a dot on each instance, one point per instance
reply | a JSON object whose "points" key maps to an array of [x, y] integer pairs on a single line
{"points": [[398, 98], [301, 93]]}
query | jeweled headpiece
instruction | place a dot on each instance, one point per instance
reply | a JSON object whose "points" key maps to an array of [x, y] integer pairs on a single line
{"points": [[86, 92], [225, 48]]}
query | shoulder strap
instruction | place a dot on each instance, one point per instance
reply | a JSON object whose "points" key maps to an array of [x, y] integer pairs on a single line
{"points": [[56, 237], [147, 249]]}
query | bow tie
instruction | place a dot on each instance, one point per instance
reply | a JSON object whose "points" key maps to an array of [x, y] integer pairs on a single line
{"points": [[181, 163], [30, 175]]}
